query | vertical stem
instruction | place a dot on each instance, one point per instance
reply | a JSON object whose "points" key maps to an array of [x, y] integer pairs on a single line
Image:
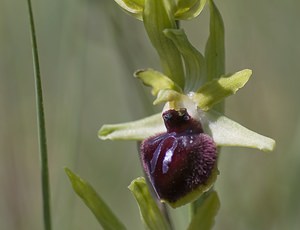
{"points": [[41, 125]]}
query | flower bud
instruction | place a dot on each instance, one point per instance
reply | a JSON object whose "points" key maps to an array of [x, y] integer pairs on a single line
{"points": [[181, 163]]}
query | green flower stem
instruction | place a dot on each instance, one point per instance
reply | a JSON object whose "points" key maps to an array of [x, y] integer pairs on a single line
{"points": [[41, 124]]}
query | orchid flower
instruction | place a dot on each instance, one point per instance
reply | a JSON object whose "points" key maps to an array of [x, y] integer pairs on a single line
{"points": [[190, 82]]}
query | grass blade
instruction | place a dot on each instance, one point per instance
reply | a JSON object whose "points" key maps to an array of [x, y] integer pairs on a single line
{"points": [[41, 124]]}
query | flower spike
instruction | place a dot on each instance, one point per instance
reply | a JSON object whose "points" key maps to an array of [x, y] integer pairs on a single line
{"points": [[179, 145]]}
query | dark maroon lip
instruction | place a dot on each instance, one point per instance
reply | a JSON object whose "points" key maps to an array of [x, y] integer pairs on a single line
{"points": [[179, 160]]}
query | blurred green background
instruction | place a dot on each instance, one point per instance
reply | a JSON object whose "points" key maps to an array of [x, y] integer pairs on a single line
{"points": [[88, 52]]}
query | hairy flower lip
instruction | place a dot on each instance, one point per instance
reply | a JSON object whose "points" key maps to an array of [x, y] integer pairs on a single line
{"points": [[180, 163]]}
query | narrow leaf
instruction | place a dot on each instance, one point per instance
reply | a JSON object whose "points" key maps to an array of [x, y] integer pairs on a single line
{"points": [[226, 132], [188, 9], [215, 50], [135, 130], [94, 202], [193, 59], [133, 7], [156, 80], [206, 212], [216, 90], [157, 16], [150, 213]]}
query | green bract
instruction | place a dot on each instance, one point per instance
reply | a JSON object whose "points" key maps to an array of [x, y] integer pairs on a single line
{"points": [[195, 69], [158, 16], [205, 212], [215, 48], [150, 213]]}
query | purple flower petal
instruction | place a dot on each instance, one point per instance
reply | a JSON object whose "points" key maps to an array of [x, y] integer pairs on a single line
{"points": [[181, 160]]}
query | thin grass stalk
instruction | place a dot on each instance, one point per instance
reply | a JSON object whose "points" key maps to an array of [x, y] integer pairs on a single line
{"points": [[40, 124]]}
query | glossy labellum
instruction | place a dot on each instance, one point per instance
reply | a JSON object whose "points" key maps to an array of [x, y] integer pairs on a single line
{"points": [[181, 163]]}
